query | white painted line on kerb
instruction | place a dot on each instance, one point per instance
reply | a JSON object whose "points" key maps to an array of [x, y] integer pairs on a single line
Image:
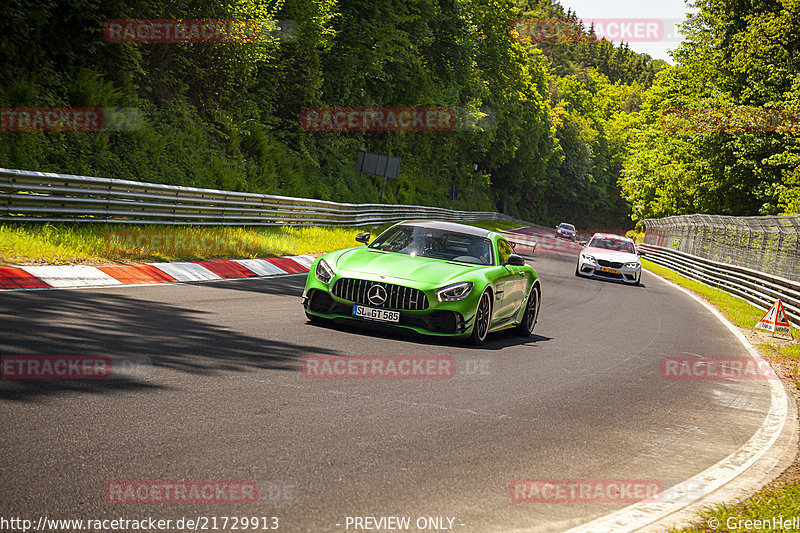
{"points": [[186, 271], [305, 260], [642, 514], [71, 275], [261, 267]]}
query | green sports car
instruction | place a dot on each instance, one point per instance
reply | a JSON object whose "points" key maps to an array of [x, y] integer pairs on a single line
{"points": [[436, 278]]}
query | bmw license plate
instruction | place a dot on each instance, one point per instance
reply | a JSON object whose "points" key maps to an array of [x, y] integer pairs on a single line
{"points": [[609, 270], [370, 313]]}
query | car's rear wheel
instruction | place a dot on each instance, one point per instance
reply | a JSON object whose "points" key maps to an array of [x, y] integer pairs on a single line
{"points": [[483, 319], [531, 314]]}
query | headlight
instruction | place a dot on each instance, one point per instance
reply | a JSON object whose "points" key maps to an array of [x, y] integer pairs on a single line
{"points": [[589, 258], [324, 272], [455, 292], [632, 265]]}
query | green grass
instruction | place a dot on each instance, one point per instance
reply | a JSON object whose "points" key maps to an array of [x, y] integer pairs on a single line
{"points": [[764, 505], [735, 309], [76, 244], [785, 357], [25, 244], [495, 225]]}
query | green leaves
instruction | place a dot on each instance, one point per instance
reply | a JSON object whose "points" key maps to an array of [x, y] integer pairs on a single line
{"points": [[227, 115], [738, 56]]}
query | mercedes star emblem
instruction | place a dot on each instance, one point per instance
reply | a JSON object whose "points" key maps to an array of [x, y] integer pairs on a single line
{"points": [[376, 295]]}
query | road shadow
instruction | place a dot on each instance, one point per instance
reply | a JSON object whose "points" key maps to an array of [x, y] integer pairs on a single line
{"points": [[494, 341], [289, 285], [614, 282], [107, 323]]}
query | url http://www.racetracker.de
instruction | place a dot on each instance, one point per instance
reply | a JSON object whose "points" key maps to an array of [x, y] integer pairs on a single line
{"points": [[196, 523]]}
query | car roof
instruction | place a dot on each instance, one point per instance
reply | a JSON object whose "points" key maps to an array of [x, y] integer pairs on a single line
{"points": [[448, 226], [612, 236]]}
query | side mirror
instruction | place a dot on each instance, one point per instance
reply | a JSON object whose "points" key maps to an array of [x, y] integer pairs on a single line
{"points": [[515, 260], [363, 237]]}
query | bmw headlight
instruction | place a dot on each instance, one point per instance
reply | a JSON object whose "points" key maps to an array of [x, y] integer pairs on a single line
{"points": [[632, 265], [455, 292], [324, 272], [589, 258]]}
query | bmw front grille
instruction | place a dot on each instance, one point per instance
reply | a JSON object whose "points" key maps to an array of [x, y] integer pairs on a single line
{"points": [[612, 264]]}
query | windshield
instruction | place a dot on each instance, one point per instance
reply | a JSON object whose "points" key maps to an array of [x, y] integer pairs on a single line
{"points": [[570, 227], [612, 244], [436, 244]]}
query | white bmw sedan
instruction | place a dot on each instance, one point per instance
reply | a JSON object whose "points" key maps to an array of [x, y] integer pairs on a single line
{"points": [[610, 256]]}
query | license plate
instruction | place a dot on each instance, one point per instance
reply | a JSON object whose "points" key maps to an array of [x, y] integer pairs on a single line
{"points": [[609, 270], [370, 313]]}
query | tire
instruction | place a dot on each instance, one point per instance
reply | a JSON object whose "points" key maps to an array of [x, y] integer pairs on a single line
{"points": [[525, 328], [577, 274], [483, 319]]}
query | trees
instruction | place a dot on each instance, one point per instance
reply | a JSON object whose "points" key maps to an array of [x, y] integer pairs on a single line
{"points": [[738, 56], [227, 115]]}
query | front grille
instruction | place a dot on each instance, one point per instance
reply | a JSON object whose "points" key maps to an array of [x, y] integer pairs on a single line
{"points": [[397, 296], [449, 322], [611, 264], [607, 274]]}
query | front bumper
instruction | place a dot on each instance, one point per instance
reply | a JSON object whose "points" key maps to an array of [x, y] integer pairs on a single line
{"points": [[623, 274], [453, 319]]}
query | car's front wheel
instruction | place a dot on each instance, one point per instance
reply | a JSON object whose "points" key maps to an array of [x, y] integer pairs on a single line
{"points": [[525, 328], [483, 318]]}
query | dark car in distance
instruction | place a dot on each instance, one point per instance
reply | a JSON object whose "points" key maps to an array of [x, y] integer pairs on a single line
{"points": [[566, 231]]}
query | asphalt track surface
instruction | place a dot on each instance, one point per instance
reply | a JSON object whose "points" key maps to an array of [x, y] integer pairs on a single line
{"points": [[224, 399]]}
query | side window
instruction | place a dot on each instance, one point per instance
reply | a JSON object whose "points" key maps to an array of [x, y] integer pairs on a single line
{"points": [[504, 250]]}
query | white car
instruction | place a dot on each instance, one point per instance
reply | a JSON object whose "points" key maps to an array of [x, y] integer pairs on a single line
{"points": [[610, 256]]}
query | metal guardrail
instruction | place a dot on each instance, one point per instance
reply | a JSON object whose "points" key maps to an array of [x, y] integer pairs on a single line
{"points": [[762, 243], [27, 196], [757, 288]]}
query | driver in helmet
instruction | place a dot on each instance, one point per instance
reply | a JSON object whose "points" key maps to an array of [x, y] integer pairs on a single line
{"points": [[480, 251]]}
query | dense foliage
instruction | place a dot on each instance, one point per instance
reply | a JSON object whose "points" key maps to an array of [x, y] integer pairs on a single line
{"points": [[738, 55], [227, 115]]}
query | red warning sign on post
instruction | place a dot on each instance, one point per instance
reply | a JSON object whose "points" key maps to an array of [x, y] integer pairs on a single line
{"points": [[775, 320]]}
